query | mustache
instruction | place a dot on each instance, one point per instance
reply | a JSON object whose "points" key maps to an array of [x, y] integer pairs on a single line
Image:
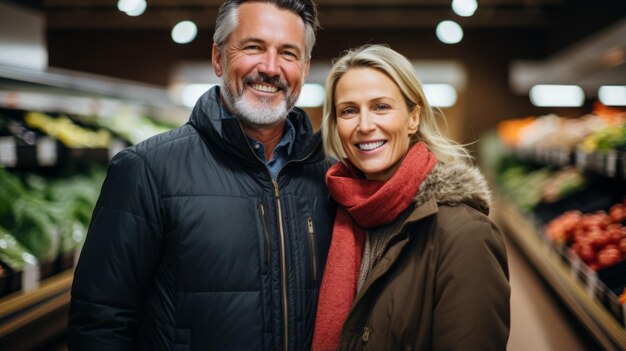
{"points": [[264, 78]]}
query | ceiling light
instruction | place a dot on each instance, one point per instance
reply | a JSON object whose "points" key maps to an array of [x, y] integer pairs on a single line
{"points": [[440, 95], [544, 95], [184, 32], [312, 95], [128, 5], [140, 9], [612, 95], [464, 8], [449, 32]]}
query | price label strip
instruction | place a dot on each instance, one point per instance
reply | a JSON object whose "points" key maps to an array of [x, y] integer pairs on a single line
{"points": [[581, 160], [46, 151], [8, 152], [611, 163], [31, 273]]}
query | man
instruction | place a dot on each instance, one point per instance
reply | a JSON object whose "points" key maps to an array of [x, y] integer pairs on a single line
{"points": [[213, 236]]}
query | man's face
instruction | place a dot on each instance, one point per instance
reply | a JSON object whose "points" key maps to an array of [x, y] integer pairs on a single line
{"points": [[264, 63]]}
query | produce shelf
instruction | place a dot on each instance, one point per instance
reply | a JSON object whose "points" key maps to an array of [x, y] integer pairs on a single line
{"points": [[595, 317], [611, 164], [48, 152], [28, 319]]}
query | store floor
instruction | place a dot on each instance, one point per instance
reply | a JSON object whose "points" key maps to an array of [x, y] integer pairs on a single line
{"points": [[539, 320]]}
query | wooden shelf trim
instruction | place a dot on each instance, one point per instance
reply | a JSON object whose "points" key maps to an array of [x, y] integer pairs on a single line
{"points": [[21, 308]]}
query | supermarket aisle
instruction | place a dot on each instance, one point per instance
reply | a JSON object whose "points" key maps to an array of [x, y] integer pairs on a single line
{"points": [[538, 320]]}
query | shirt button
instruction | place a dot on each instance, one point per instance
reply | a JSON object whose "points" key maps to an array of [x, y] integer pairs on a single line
{"points": [[257, 146]]}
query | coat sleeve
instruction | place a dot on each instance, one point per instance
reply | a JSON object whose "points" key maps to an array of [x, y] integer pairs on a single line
{"points": [[472, 307], [118, 259]]}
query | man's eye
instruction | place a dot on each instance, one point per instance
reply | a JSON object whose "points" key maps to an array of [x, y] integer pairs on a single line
{"points": [[290, 54], [252, 48]]}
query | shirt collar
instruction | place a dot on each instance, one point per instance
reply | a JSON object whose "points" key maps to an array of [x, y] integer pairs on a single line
{"points": [[286, 142]]}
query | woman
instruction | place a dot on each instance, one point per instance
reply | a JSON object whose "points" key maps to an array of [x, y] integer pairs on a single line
{"points": [[414, 262]]}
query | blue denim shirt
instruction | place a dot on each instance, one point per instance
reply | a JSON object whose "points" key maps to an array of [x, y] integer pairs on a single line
{"points": [[282, 151]]}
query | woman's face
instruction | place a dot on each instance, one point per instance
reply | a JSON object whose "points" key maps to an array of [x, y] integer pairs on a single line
{"points": [[373, 121]]}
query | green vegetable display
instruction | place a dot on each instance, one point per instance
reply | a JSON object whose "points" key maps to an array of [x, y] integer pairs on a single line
{"points": [[48, 216], [12, 253]]}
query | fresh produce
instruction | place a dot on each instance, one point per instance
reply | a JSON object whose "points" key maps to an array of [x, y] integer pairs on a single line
{"points": [[134, 128], [549, 131], [525, 185], [564, 182], [606, 139], [12, 253], [68, 132], [599, 238], [33, 226], [530, 186], [48, 216]]}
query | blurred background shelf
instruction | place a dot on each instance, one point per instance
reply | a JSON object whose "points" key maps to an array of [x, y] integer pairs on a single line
{"points": [[594, 316]]}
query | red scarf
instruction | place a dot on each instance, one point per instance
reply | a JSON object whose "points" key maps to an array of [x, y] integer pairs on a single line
{"points": [[364, 204]]}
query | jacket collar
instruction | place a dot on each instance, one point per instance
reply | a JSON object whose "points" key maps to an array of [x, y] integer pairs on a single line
{"points": [[450, 184], [454, 184], [227, 134]]}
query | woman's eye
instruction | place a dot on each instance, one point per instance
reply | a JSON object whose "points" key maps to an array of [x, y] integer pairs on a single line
{"points": [[347, 112], [382, 107]]}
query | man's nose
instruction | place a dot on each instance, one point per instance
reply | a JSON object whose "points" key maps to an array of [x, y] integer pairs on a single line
{"points": [[269, 65]]}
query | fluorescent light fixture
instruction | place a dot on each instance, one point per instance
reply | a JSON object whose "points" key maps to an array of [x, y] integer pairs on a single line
{"points": [[464, 8], [190, 94], [184, 32], [544, 95], [449, 32], [612, 95], [138, 10], [312, 95], [440, 95]]}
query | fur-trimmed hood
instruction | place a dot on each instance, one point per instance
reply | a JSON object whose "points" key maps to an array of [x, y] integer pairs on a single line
{"points": [[456, 183]]}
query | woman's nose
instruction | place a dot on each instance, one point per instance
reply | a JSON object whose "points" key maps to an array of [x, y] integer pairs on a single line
{"points": [[365, 123]]}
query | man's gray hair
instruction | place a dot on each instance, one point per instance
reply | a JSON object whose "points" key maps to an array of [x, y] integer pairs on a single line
{"points": [[227, 19]]}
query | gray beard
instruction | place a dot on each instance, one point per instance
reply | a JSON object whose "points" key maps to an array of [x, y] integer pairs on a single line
{"points": [[264, 115]]}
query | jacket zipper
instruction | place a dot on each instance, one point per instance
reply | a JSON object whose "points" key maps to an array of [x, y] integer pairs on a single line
{"points": [[283, 263], [266, 235], [282, 235], [313, 247], [282, 244]]}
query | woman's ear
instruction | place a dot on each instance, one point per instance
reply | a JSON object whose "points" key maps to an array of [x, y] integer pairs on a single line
{"points": [[414, 120]]}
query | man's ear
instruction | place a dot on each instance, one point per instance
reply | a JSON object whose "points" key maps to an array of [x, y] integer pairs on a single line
{"points": [[216, 60], [307, 66]]}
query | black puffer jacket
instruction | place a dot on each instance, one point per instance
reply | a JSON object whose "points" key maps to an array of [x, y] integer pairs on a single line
{"points": [[193, 247]]}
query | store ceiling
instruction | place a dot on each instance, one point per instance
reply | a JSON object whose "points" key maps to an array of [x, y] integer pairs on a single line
{"points": [[352, 14], [536, 30]]}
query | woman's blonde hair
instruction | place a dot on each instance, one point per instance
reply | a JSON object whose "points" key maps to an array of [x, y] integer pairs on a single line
{"points": [[400, 70]]}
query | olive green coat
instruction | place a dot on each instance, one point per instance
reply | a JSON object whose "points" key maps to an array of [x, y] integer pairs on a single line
{"points": [[442, 282]]}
